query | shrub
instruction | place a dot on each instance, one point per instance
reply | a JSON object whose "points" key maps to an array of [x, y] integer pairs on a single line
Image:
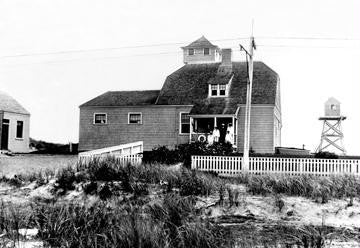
{"points": [[161, 154], [103, 170], [105, 191], [328, 155], [182, 153], [90, 187], [195, 183], [65, 180]]}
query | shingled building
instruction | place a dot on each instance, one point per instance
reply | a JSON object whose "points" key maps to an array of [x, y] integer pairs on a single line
{"points": [[208, 91]]}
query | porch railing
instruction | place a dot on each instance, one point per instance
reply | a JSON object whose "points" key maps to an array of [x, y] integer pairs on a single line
{"points": [[226, 165], [195, 137], [130, 152]]}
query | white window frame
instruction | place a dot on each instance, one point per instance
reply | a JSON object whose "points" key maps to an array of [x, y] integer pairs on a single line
{"points": [[218, 90], [204, 51], [22, 131], [181, 123], [135, 113], [106, 119]]}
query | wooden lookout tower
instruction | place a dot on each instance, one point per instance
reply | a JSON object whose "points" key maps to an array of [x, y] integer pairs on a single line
{"points": [[332, 135]]}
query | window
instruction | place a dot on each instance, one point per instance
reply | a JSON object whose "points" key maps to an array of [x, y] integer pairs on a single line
{"points": [[333, 107], [100, 118], [222, 90], [184, 123], [191, 51], [19, 129], [218, 90], [214, 88], [135, 118], [206, 51]]}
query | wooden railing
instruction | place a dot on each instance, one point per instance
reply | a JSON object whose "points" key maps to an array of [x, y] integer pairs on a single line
{"points": [[226, 165], [130, 152]]}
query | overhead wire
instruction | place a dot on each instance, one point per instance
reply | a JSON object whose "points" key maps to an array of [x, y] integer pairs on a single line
{"points": [[273, 46], [172, 43]]}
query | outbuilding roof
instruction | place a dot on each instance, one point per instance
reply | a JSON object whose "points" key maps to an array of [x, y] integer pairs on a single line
{"points": [[189, 86], [200, 43], [9, 104], [124, 98]]}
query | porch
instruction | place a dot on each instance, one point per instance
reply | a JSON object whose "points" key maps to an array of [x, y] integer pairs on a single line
{"points": [[202, 126]]}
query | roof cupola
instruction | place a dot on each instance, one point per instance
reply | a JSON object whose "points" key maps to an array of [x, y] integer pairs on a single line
{"points": [[201, 51]]}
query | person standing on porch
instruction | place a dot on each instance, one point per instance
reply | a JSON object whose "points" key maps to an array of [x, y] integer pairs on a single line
{"points": [[210, 138], [230, 130], [216, 134], [228, 137]]}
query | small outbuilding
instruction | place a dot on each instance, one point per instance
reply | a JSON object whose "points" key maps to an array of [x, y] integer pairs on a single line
{"points": [[14, 125]]}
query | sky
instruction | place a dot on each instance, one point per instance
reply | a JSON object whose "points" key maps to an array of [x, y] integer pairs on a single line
{"points": [[56, 55]]}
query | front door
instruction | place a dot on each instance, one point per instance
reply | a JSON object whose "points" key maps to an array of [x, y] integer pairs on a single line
{"points": [[5, 134]]}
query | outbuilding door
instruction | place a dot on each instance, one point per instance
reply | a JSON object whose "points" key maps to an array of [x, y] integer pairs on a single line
{"points": [[5, 134]]}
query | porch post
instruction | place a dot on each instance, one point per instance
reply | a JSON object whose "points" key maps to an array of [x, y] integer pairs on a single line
{"points": [[191, 128], [233, 126]]}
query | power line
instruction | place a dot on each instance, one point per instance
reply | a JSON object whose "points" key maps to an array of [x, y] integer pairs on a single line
{"points": [[299, 46], [307, 38], [106, 49], [170, 44]]}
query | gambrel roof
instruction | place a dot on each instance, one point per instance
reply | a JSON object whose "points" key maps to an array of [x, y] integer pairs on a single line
{"points": [[189, 86], [9, 104]]}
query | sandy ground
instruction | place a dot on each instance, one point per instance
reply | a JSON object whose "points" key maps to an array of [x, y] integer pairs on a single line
{"points": [[297, 211]]}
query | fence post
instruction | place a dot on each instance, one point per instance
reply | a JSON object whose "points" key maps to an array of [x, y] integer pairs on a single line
{"points": [[193, 162]]}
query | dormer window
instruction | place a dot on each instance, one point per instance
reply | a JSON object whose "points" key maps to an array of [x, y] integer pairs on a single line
{"points": [[218, 90], [206, 51], [214, 88], [191, 51], [222, 89]]}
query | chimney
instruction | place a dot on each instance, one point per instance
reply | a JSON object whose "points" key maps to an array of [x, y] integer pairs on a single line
{"points": [[226, 64]]}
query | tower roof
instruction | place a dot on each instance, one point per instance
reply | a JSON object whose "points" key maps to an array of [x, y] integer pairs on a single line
{"points": [[200, 43], [332, 100]]}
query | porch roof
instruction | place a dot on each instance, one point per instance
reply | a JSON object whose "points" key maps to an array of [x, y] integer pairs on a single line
{"points": [[215, 106]]}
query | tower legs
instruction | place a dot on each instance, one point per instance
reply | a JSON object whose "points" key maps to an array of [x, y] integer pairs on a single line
{"points": [[332, 136]]}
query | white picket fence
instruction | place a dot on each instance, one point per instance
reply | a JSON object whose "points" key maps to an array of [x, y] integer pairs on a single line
{"points": [[228, 165], [125, 153]]}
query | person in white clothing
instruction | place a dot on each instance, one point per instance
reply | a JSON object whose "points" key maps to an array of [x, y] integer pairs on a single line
{"points": [[210, 138], [216, 134], [228, 137]]}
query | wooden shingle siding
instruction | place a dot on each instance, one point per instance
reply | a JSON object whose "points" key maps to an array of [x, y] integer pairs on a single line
{"points": [[160, 126], [261, 131], [199, 56]]}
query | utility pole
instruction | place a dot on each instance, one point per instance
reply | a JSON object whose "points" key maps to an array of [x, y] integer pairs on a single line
{"points": [[250, 65]]}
